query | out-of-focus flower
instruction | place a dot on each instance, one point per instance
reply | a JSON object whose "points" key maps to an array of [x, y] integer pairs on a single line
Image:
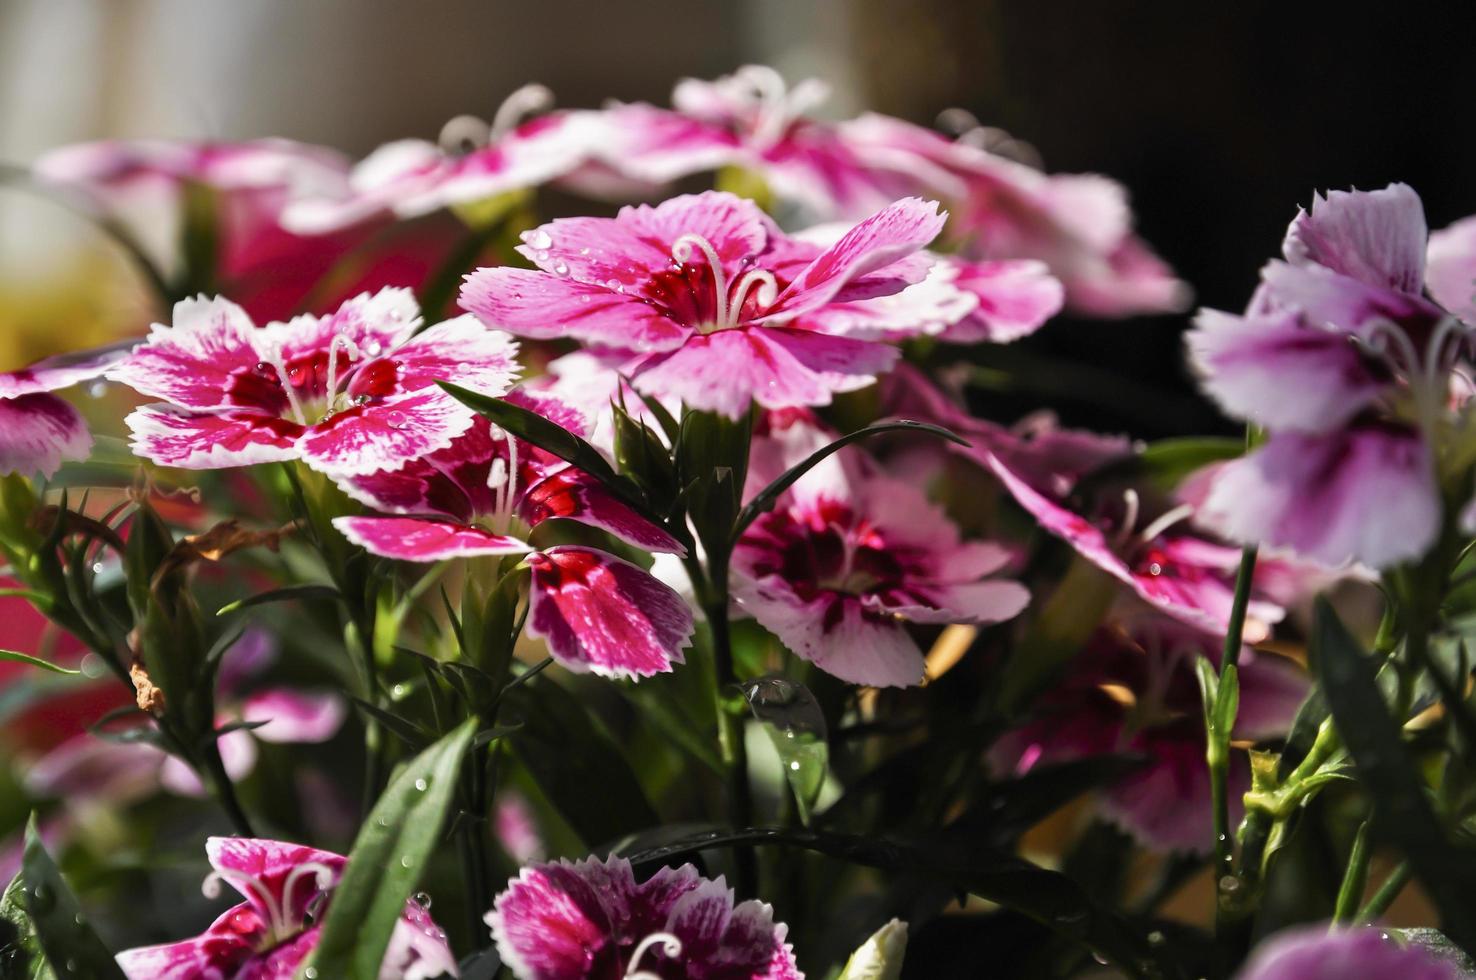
{"points": [[836, 571], [1133, 690], [710, 297], [590, 919], [287, 888], [38, 430], [1348, 367], [1079, 225], [413, 177], [348, 393], [1314, 953], [233, 196], [484, 494]]}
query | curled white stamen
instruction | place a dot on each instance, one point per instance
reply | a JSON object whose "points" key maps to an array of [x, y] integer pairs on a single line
{"points": [[1425, 373], [526, 101], [670, 945], [502, 480], [464, 134], [727, 308], [273, 359], [767, 290], [681, 250], [1165, 521], [340, 342], [1130, 505]]}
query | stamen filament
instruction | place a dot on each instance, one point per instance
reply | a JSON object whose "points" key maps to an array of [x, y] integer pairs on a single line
{"points": [[1165, 521], [670, 945], [273, 358], [351, 350], [526, 101]]}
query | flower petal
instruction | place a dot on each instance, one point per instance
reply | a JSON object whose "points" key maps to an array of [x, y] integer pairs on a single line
{"points": [[891, 234], [38, 433], [1279, 372], [294, 716], [1450, 274], [189, 440], [1361, 953], [461, 351], [1014, 300], [1366, 493], [385, 435], [219, 952], [577, 496], [601, 614], [536, 304], [1376, 237], [373, 323], [194, 363], [550, 923], [423, 539], [270, 864], [63, 370]]}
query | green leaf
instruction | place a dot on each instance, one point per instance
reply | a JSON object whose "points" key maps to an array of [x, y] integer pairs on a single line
{"points": [[1164, 464], [997, 875], [406, 730], [387, 860], [23, 658], [792, 718], [69, 942], [284, 594], [767, 497], [1385, 767], [541, 432], [568, 755], [20, 951]]}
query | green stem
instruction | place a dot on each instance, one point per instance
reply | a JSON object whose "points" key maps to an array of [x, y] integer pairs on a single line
{"points": [[1388, 891], [1218, 744], [212, 767], [730, 724], [1355, 879]]}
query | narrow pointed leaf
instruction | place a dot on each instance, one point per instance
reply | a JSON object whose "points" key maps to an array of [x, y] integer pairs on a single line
{"points": [[23, 658], [69, 942], [285, 594]]}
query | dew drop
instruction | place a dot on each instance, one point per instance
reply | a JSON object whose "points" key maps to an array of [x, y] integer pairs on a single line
{"points": [[421, 785], [541, 255], [794, 766], [311, 973], [97, 389], [395, 419], [407, 862], [399, 691], [561, 268], [538, 238], [373, 348], [423, 900], [71, 966], [584, 251]]}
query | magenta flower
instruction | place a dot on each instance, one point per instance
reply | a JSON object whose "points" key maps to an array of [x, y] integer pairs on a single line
{"points": [[836, 572], [287, 888], [706, 292], [590, 920], [349, 393], [1133, 690], [484, 494], [1348, 367], [1361, 953], [38, 430], [413, 177], [1079, 225]]}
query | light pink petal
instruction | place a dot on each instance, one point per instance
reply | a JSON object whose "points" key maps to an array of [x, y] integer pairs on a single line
{"points": [[577, 496], [1279, 372], [1375, 237], [1313, 952], [537, 304], [1272, 689], [176, 776], [370, 322], [1344, 303], [933, 307], [424, 540], [460, 351], [294, 716], [835, 632], [964, 602], [63, 370], [238, 753], [194, 362], [1014, 300], [417, 949], [660, 146], [85, 767], [1450, 274], [40, 432], [386, 434], [189, 440], [601, 614], [727, 370], [887, 236], [1365, 494], [1130, 280], [549, 924], [1165, 805]]}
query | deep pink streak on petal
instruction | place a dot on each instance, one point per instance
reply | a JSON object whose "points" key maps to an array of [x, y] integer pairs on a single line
{"points": [[424, 539], [195, 361], [887, 236], [40, 432], [178, 437], [577, 496], [601, 614], [537, 304]]}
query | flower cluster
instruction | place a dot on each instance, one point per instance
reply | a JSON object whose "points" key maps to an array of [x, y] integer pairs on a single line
{"points": [[679, 534]]}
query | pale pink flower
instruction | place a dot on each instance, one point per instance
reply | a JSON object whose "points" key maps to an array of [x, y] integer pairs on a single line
{"points": [[348, 393], [38, 430], [1361, 953]]}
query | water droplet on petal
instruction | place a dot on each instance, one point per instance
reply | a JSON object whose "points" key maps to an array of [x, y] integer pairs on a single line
{"points": [[538, 238], [373, 348], [423, 900], [395, 419], [561, 268]]}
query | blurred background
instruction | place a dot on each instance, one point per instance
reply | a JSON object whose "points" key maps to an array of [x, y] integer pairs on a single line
{"points": [[1221, 119]]}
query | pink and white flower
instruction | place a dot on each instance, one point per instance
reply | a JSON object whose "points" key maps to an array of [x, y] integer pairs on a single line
{"points": [[413, 177], [485, 494], [286, 888], [837, 572], [348, 393], [710, 297], [590, 919], [38, 430], [1132, 690], [1348, 366]]}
